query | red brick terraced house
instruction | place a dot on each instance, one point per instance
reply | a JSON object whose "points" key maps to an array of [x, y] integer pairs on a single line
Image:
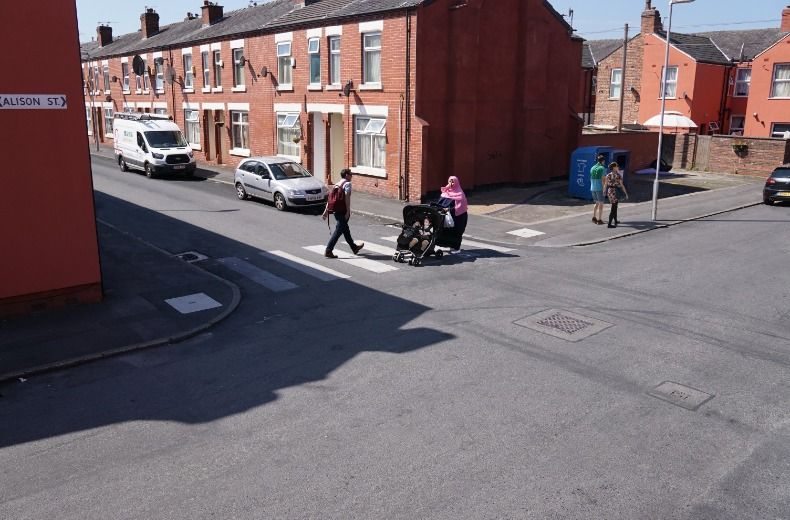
{"points": [[727, 82], [405, 92], [593, 52]]}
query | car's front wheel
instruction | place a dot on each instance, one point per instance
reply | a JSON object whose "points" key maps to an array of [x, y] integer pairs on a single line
{"points": [[241, 193], [149, 171], [279, 201], [122, 164]]}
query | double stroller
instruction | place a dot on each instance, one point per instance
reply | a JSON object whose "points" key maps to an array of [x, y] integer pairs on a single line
{"points": [[423, 232]]}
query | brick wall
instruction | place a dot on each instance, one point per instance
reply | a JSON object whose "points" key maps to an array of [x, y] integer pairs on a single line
{"points": [[607, 110], [643, 146], [763, 155]]}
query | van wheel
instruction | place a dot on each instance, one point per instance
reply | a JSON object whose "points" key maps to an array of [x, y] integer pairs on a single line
{"points": [[279, 201], [149, 172], [122, 164], [241, 193]]}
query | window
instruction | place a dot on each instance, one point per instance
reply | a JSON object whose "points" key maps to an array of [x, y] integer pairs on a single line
{"points": [[334, 60], [108, 121], [206, 70], [672, 82], [240, 123], [288, 130], [125, 74], [146, 76], [781, 130], [160, 111], [372, 62], [127, 109], [616, 84], [736, 125], [238, 68], [106, 70], [189, 77], [138, 82], [370, 142], [313, 45], [781, 83], [284, 63], [192, 126], [89, 118], [160, 74], [742, 80], [217, 69]]}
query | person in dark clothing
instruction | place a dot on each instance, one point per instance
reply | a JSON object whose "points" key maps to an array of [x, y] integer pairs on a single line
{"points": [[341, 225], [612, 183], [458, 207]]}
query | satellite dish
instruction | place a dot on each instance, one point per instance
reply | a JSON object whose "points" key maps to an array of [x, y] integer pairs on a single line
{"points": [[170, 75], [138, 65], [264, 71], [242, 61]]}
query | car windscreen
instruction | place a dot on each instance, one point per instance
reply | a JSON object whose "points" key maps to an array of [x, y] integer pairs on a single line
{"points": [[165, 138], [288, 170]]}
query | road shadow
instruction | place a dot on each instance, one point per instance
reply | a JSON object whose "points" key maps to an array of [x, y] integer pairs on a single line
{"points": [[272, 342]]}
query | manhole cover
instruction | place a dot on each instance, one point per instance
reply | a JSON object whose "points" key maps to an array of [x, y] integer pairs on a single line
{"points": [[563, 324], [191, 256], [680, 395]]}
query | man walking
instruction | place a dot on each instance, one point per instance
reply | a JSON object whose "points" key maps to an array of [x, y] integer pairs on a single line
{"points": [[339, 203], [596, 188]]}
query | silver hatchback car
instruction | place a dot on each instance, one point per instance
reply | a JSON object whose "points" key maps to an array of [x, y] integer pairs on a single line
{"points": [[279, 180]]}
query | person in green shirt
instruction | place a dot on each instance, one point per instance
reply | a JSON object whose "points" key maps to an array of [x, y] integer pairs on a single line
{"points": [[596, 188]]}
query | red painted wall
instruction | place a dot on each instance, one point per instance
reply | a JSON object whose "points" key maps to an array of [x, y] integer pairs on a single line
{"points": [[654, 48], [768, 110], [48, 230], [706, 97], [498, 109]]}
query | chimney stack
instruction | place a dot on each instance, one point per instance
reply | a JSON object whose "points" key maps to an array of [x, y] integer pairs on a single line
{"points": [[212, 13], [786, 19], [104, 35], [302, 3], [149, 23], [651, 19]]}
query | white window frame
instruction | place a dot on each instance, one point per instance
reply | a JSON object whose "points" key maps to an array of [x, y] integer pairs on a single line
{"points": [[146, 77], [776, 133], [216, 58], [244, 134], [613, 85], [334, 61], [284, 65], [743, 124], [106, 78], [366, 49], [742, 83], [125, 74], [669, 83], [288, 127], [314, 55], [189, 78], [205, 63], [238, 70], [376, 128], [774, 81], [159, 71], [191, 123], [105, 111], [89, 117]]}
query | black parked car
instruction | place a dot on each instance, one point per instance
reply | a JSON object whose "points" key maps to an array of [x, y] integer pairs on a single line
{"points": [[777, 186]]}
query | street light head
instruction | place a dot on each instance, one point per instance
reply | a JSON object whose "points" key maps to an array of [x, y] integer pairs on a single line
{"points": [[680, 1]]}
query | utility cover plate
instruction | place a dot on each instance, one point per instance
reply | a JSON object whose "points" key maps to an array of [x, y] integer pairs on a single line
{"points": [[563, 324], [193, 303], [680, 395], [191, 256]]}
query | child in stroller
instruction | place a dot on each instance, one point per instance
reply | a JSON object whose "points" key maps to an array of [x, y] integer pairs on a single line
{"points": [[421, 226]]}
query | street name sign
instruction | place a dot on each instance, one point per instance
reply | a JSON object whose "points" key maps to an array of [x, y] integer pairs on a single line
{"points": [[32, 101]]}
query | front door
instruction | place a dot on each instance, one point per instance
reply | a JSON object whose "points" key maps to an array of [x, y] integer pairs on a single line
{"points": [[336, 149], [319, 146]]}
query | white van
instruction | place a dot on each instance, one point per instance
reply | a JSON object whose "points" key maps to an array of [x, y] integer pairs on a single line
{"points": [[152, 143]]}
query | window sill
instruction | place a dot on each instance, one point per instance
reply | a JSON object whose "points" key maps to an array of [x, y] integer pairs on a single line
{"points": [[127, 91], [285, 88], [189, 91], [241, 152], [216, 89], [109, 136], [107, 92], [315, 87], [195, 146], [241, 88], [779, 98], [294, 158], [367, 170], [160, 91], [206, 90], [614, 98], [146, 92], [138, 91], [371, 86], [334, 87]]}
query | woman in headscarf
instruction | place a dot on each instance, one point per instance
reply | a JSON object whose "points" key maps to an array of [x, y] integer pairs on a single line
{"points": [[453, 192]]}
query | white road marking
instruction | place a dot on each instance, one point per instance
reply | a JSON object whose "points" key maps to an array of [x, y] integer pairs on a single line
{"points": [[473, 243], [375, 248], [257, 275], [526, 232], [364, 263], [193, 303], [306, 266]]}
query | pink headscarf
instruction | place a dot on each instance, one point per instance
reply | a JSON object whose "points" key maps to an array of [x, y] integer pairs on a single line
{"points": [[457, 194]]}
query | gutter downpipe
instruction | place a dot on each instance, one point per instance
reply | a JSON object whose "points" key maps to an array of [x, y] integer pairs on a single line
{"points": [[407, 113]]}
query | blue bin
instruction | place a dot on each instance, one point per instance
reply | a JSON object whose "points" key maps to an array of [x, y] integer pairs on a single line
{"points": [[583, 159]]}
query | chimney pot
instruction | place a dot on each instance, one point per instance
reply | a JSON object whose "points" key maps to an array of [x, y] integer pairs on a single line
{"points": [[786, 19], [104, 35], [211, 13], [149, 23]]}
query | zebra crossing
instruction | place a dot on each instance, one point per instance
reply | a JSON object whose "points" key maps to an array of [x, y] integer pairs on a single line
{"points": [[375, 258]]}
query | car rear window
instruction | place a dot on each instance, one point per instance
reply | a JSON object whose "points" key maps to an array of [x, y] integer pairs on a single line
{"points": [[781, 172]]}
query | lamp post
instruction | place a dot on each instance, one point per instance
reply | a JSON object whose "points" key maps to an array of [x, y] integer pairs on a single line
{"points": [[663, 106]]}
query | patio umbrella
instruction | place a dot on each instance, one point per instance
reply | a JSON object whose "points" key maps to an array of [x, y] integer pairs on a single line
{"points": [[672, 119]]}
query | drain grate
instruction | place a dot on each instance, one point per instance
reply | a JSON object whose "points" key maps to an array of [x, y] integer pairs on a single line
{"points": [[563, 324], [191, 256], [680, 395]]}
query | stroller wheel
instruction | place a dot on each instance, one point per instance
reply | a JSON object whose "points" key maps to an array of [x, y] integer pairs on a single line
{"points": [[439, 253], [411, 261], [416, 262], [395, 257]]}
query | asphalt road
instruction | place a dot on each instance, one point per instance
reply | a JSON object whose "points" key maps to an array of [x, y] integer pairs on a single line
{"points": [[423, 392]]}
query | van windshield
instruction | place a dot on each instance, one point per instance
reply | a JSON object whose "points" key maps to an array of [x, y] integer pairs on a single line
{"points": [[165, 138]]}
